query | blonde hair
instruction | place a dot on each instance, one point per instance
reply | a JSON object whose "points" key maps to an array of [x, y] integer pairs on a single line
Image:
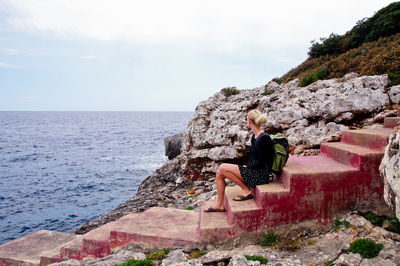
{"points": [[257, 117]]}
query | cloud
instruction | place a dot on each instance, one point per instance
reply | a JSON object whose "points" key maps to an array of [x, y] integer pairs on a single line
{"points": [[5, 65], [223, 24], [89, 57], [11, 51]]}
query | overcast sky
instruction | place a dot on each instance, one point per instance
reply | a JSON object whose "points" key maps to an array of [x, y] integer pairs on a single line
{"points": [[167, 55]]}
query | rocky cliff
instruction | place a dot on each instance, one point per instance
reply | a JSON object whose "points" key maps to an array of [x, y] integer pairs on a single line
{"points": [[307, 115], [218, 133], [390, 171]]}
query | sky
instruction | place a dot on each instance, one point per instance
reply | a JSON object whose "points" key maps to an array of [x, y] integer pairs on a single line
{"points": [[129, 55]]}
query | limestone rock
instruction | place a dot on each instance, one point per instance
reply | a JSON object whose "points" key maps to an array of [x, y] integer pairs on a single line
{"points": [[173, 145], [394, 94], [308, 116], [390, 171], [174, 257], [349, 259], [240, 260]]}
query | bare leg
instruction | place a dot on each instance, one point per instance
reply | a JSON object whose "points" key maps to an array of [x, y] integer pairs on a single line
{"points": [[230, 171]]}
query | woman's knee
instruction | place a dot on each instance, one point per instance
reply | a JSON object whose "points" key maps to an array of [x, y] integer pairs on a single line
{"points": [[221, 171]]}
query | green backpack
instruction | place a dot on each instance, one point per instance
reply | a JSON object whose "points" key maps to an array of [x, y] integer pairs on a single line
{"points": [[281, 148]]}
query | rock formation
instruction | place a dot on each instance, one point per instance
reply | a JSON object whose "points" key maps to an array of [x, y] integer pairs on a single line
{"points": [[308, 115], [390, 171], [173, 145]]}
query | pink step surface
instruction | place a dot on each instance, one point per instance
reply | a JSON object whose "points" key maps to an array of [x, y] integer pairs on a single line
{"points": [[96, 242], [312, 166], [374, 139], [355, 156], [161, 227], [29, 249]]}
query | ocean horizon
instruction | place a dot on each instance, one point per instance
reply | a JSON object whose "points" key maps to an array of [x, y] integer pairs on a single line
{"points": [[61, 169]]}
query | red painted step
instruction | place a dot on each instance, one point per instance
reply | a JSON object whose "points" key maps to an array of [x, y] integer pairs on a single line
{"points": [[214, 226], [374, 139], [245, 214], [356, 156], [96, 242], [161, 227]]}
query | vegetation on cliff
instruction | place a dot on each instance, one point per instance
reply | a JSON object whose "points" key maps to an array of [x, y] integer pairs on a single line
{"points": [[372, 47]]}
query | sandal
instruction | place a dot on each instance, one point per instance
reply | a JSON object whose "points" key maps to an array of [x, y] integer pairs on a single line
{"points": [[211, 209], [243, 197]]}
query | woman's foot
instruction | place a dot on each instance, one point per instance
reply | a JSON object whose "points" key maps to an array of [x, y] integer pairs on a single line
{"points": [[212, 209], [243, 197]]}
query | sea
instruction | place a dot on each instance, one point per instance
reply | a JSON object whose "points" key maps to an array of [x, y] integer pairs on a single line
{"points": [[59, 170]]}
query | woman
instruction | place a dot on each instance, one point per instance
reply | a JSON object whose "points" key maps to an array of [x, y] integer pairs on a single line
{"points": [[257, 170]]}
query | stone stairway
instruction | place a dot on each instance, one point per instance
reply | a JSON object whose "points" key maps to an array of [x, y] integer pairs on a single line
{"points": [[343, 176]]}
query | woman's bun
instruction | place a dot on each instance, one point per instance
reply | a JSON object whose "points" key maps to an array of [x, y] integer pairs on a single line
{"points": [[257, 117]]}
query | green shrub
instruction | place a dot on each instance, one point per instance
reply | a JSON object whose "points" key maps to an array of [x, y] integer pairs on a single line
{"points": [[346, 223], [385, 22], [394, 79], [189, 208], [307, 79], [267, 91], [158, 255], [328, 263], [261, 259], [337, 224], [277, 80], [134, 262], [375, 219], [230, 91], [197, 254], [267, 239], [366, 248], [394, 225], [311, 77]]}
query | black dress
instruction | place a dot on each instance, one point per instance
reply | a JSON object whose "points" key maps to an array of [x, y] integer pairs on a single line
{"points": [[256, 171]]}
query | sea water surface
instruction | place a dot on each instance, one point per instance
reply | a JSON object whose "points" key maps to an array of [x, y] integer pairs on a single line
{"points": [[59, 170]]}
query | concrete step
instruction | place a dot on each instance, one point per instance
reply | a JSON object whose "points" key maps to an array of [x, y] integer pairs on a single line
{"points": [[163, 227], [356, 156], [270, 192], [29, 249], [319, 186], [375, 139], [311, 167], [96, 242], [245, 214], [214, 226], [391, 122]]}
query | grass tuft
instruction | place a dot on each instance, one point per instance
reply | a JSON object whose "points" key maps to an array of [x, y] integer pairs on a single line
{"points": [[261, 259], [196, 254], [158, 255], [267, 239], [366, 248], [134, 262]]}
